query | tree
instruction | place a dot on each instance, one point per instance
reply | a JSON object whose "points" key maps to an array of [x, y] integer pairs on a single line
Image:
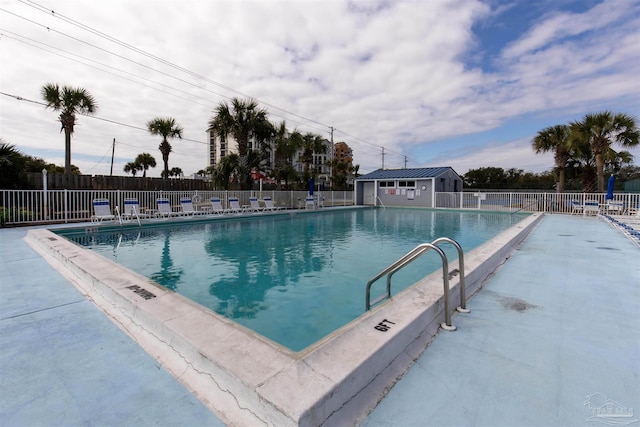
{"points": [[227, 171], [167, 128], [246, 123], [311, 143], [177, 172], [69, 101], [555, 139], [341, 170], [355, 170], [600, 131], [145, 160], [132, 168], [286, 144], [488, 177], [12, 166]]}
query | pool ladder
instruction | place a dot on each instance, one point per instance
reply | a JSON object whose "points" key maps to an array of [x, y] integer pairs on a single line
{"points": [[413, 255]]}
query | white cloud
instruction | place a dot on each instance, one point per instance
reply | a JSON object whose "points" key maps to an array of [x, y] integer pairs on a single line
{"points": [[390, 73]]}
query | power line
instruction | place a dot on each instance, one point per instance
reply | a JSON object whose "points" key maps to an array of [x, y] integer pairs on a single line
{"points": [[163, 61], [89, 29], [20, 98]]}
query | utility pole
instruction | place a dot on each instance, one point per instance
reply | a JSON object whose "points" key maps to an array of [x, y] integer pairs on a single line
{"points": [[405, 162], [113, 150], [382, 157]]}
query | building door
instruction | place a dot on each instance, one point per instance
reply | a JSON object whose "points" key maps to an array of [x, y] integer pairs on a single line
{"points": [[368, 193]]}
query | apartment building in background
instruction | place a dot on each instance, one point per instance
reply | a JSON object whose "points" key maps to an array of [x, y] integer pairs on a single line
{"points": [[320, 164]]}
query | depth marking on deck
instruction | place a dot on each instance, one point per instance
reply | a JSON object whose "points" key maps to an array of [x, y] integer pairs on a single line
{"points": [[142, 292]]}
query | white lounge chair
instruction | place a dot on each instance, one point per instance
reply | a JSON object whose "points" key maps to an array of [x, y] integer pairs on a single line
{"points": [[269, 206], [102, 211], [132, 210], [591, 207], [309, 203], [254, 205], [187, 207], [576, 207], [615, 207], [234, 205], [216, 206], [164, 208]]}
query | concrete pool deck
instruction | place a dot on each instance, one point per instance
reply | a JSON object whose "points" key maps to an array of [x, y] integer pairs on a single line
{"points": [[557, 324]]}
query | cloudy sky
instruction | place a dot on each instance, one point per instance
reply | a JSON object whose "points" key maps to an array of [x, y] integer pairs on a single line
{"points": [[461, 83]]}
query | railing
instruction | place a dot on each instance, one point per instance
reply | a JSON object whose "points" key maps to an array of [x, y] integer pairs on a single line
{"points": [[411, 256], [24, 207], [528, 201], [462, 308]]}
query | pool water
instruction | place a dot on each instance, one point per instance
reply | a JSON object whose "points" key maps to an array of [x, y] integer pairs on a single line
{"points": [[291, 278]]}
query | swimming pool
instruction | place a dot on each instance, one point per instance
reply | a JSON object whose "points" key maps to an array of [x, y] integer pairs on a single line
{"points": [[293, 279]]}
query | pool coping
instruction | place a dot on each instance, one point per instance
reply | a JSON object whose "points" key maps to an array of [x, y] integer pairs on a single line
{"points": [[246, 379]]}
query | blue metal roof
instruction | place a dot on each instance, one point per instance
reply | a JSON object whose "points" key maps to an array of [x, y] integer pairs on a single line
{"points": [[405, 173]]}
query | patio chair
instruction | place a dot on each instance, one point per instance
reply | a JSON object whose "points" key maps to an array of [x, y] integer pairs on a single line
{"points": [[234, 205], [615, 207], [216, 206], [269, 206], [254, 205], [591, 207], [164, 209], [102, 211], [187, 207], [309, 203], [576, 207], [132, 210]]}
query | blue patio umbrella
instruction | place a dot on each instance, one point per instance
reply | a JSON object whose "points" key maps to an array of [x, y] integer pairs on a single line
{"points": [[311, 185], [610, 187]]}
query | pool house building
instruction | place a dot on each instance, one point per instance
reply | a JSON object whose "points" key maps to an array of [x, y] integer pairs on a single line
{"points": [[406, 187]]}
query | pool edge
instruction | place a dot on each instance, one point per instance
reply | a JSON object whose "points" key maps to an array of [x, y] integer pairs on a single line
{"points": [[306, 388]]}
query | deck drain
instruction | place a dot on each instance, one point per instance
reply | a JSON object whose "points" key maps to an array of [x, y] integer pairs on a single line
{"points": [[53, 239], [606, 248], [566, 235]]}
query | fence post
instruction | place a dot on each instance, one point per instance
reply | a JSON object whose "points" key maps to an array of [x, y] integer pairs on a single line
{"points": [[66, 206], [45, 206]]}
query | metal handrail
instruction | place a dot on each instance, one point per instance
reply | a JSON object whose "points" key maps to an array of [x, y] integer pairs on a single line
{"points": [[383, 206], [463, 297], [400, 263], [531, 203]]}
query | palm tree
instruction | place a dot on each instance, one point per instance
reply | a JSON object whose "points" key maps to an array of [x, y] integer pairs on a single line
{"points": [[69, 101], [311, 143], [556, 139], [227, 171], [145, 160], [177, 172], [246, 123], [12, 166], [600, 130], [167, 128], [132, 168], [355, 170], [285, 146]]}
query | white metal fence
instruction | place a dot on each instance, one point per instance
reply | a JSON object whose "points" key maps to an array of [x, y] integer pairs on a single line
{"points": [[23, 207], [533, 202]]}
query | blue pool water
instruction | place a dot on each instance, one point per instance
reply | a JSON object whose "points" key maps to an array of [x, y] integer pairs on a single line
{"points": [[291, 278]]}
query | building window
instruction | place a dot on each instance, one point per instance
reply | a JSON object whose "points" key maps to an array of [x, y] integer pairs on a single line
{"points": [[388, 184], [406, 184]]}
